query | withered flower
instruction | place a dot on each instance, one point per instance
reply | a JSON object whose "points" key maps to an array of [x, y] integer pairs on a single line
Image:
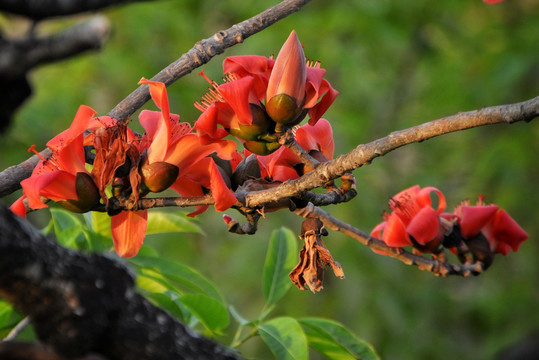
{"points": [[314, 257]]}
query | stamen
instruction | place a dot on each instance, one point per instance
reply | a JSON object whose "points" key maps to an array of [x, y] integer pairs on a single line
{"points": [[33, 149]]}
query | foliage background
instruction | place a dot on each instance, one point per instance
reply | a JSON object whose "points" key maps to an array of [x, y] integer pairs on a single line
{"points": [[396, 64]]}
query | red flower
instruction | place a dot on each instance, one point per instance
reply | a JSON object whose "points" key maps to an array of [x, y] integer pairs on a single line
{"points": [[492, 1], [413, 220], [283, 164], [63, 177], [501, 230], [258, 90], [175, 158]]}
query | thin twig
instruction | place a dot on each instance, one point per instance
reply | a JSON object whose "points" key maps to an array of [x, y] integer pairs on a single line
{"points": [[287, 139], [204, 51], [365, 153], [437, 267]]}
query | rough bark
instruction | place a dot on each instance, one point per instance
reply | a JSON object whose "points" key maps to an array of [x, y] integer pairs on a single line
{"points": [[87, 303], [41, 9]]}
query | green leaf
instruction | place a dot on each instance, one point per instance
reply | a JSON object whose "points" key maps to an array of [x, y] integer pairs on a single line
{"points": [[280, 259], [64, 219], [335, 341], [184, 275], [169, 301], [160, 222], [211, 313], [285, 338], [99, 222]]}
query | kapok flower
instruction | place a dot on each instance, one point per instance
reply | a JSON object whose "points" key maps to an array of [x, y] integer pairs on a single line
{"points": [[316, 140], [63, 177], [173, 157], [174, 143], [413, 220], [260, 95], [491, 2], [501, 230]]}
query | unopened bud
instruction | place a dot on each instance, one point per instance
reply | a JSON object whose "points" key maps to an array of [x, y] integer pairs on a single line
{"points": [[261, 147], [87, 192], [286, 85], [158, 176], [261, 125]]}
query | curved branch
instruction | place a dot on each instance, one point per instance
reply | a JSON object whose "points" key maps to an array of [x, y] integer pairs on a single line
{"points": [[204, 51], [437, 267], [200, 54], [363, 154], [42, 9], [19, 56]]}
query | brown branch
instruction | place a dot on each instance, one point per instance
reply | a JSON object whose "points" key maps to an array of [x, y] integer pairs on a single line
{"points": [[10, 178], [287, 139], [19, 56], [204, 51], [42, 9], [437, 267], [200, 54], [365, 153]]}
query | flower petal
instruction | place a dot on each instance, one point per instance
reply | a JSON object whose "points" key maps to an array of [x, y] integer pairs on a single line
{"points": [[424, 226], [80, 123], [423, 198], [18, 207], [506, 230], [54, 185], [128, 230], [474, 218], [395, 232], [317, 137], [237, 95]]}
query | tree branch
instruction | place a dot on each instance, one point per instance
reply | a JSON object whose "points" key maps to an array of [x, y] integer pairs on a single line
{"points": [[83, 303], [19, 56], [204, 51], [437, 267], [41, 9], [365, 153]]}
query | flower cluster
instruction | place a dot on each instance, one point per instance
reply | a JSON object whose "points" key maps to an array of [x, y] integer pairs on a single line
{"points": [[99, 164], [262, 97], [481, 229]]}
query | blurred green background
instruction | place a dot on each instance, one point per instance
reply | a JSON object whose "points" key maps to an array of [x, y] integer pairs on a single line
{"points": [[396, 64]]}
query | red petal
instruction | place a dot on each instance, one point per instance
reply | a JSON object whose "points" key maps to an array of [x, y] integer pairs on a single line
{"points": [[317, 137], [321, 107], [128, 230], [424, 226], [187, 187], [474, 218], [18, 207], [55, 185], [423, 198], [506, 230], [80, 123], [256, 66], [395, 232], [236, 93], [223, 196], [150, 121]]}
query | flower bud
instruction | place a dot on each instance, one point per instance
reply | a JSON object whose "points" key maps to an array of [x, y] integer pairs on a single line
{"points": [[87, 192], [286, 86], [159, 175], [260, 126], [261, 147], [248, 168]]}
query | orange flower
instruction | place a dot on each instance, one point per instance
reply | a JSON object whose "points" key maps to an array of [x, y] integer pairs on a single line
{"points": [[413, 220], [63, 177], [501, 230]]}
